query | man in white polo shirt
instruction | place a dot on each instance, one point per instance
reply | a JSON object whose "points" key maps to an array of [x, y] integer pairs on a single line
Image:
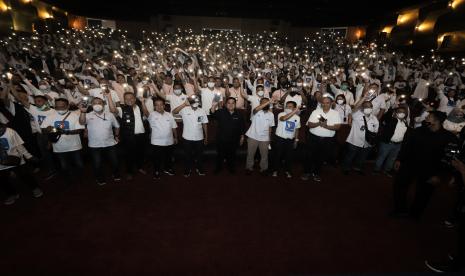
{"points": [[163, 138], [323, 123], [259, 136], [210, 94], [67, 148], [195, 134], [286, 138], [103, 135], [357, 146]]}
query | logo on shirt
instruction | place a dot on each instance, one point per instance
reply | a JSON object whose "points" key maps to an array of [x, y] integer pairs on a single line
{"points": [[4, 144], [63, 125], [40, 119], [290, 126]]}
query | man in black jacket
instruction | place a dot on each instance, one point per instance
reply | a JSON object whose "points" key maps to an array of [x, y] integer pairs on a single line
{"points": [[391, 136], [229, 135], [420, 159]]}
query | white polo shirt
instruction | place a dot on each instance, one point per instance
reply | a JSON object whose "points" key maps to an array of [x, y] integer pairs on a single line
{"points": [[297, 99], [378, 103], [138, 123], [162, 125], [176, 101], [344, 112], [98, 92], [9, 142], [207, 98], [260, 127], [192, 123], [254, 102], [357, 132], [67, 142], [287, 129], [40, 116], [100, 129], [332, 117]]}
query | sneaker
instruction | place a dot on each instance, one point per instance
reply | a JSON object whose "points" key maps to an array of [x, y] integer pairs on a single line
{"points": [[50, 175], [187, 173], [101, 183], [156, 175], [449, 224], [169, 172], [274, 174], [200, 172], [116, 178], [439, 267], [37, 192], [316, 178], [11, 200], [142, 171], [305, 177], [288, 175]]}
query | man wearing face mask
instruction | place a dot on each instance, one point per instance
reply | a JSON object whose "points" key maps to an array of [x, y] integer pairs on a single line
{"points": [[357, 146], [41, 111], [132, 131], [210, 94], [391, 137], [103, 135], [286, 138], [68, 147], [255, 99], [294, 95], [419, 161], [236, 92], [195, 134], [175, 99]]}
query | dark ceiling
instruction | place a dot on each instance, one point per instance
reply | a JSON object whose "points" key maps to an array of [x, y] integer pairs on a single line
{"points": [[301, 13]]}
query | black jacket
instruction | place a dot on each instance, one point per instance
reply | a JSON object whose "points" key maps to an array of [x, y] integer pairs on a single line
{"points": [[389, 128], [230, 126]]}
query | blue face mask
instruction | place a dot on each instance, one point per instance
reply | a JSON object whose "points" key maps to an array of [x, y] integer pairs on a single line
{"points": [[344, 87]]}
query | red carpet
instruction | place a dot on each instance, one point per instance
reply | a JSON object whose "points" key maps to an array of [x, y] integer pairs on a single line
{"points": [[219, 225]]}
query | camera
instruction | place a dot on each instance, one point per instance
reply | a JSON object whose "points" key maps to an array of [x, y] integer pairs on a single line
{"points": [[85, 101]]}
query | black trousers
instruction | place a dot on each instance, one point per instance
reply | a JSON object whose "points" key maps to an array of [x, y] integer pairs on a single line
{"points": [[193, 151], [97, 155], [319, 150], [226, 150], [134, 153], [424, 191], [162, 156], [22, 173], [282, 151]]}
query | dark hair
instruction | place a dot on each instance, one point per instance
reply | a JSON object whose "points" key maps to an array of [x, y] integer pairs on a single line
{"points": [[438, 115], [231, 98], [62, 100], [260, 86], [128, 93], [293, 103], [159, 100]]}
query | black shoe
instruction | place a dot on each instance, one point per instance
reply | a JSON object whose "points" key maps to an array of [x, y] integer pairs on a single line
{"points": [[440, 267], [398, 214], [264, 173], [345, 172], [156, 175], [169, 172], [187, 173], [248, 172], [200, 172], [360, 172]]}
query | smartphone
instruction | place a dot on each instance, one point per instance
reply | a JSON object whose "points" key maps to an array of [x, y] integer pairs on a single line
{"points": [[217, 97]]}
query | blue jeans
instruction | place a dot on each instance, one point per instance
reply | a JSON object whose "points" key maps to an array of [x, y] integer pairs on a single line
{"points": [[355, 155], [387, 155]]}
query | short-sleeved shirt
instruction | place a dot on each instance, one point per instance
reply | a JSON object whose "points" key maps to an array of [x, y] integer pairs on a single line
{"points": [[287, 129], [162, 125], [66, 143], [332, 117], [260, 127], [100, 129], [192, 123]]}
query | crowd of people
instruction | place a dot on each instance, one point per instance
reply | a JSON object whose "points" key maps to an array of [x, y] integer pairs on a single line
{"points": [[114, 97]]}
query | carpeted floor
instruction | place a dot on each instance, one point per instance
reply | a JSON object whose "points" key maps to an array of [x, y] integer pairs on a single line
{"points": [[219, 225]]}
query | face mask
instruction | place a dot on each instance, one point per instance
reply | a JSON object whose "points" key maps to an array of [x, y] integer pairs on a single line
{"points": [[367, 111], [340, 102], [177, 91], [299, 84], [344, 87], [43, 87], [97, 107], [287, 110], [211, 84], [43, 107], [260, 93], [62, 112], [401, 115], [144, 82], [195, 105]]}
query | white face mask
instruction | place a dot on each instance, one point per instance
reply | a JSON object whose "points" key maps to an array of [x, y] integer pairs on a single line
{"points": [[340, 102], [260, 93], [210, 84], [43, 87], [401, 115], [97, 107], [144, 82], [195, 105], [177, 91], [62, 112], [287, 110], [299, 84], [367, 111]]}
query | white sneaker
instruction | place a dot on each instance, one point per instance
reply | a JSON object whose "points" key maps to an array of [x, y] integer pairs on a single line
{"points": [[275, 174], [37, 192], [288, 174], [11, 200]]}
